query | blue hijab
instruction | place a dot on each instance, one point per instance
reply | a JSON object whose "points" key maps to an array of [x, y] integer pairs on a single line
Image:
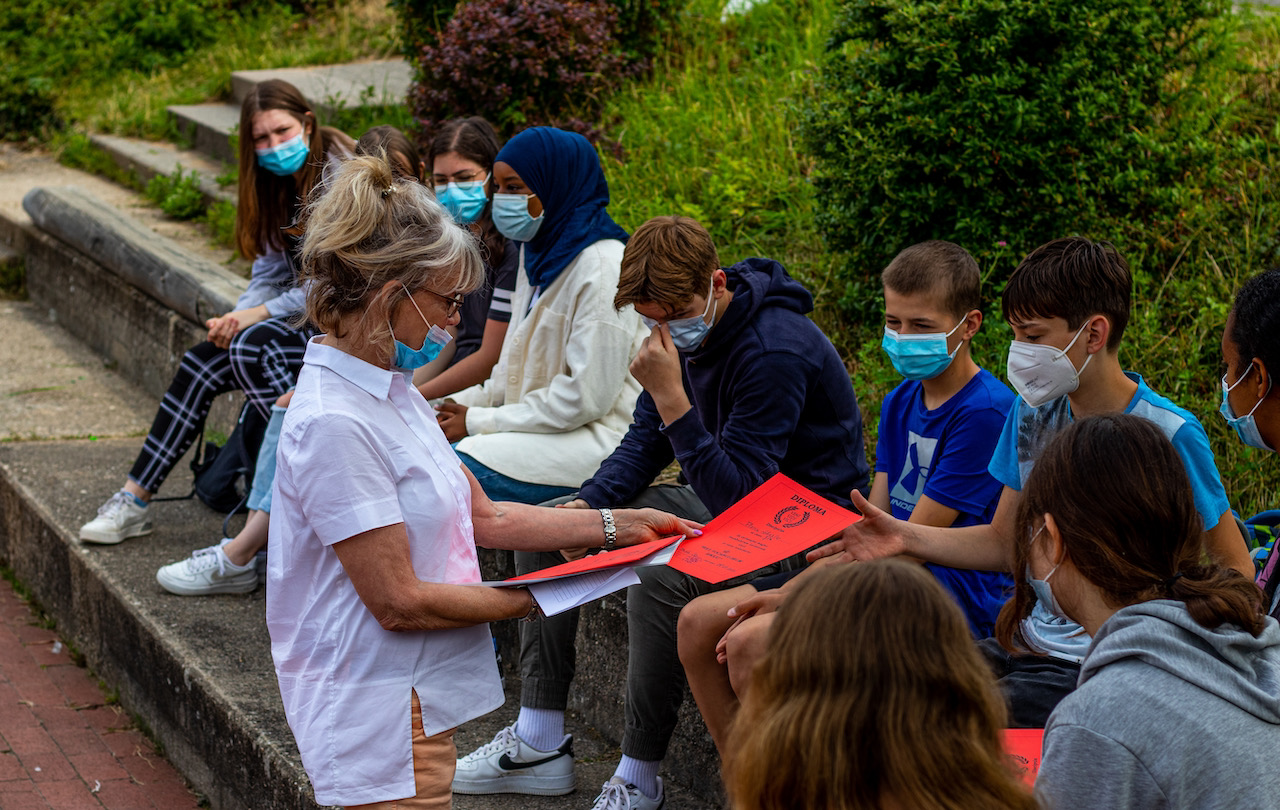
{"points": [[562, 168]]}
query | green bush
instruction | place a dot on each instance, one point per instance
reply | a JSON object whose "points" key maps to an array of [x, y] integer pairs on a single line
{"points": [[26, 105], [420, 23], [1012, 121], [178, 196]]}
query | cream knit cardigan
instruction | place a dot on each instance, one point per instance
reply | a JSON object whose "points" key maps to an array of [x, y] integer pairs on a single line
{"points": [[561, 396]]}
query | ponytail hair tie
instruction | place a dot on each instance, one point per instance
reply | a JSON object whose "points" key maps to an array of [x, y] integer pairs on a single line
{"points": [[387, 191], [1168, 583]]}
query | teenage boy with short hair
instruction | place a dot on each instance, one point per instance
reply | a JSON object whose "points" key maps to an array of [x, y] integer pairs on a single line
{"points": [[1068, 303], [937, 431], [738, 385]]}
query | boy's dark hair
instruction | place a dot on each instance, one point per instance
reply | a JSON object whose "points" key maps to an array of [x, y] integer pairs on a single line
{"points": [[667, 262], [1072, 278], [937, 267], [1255, 324]]}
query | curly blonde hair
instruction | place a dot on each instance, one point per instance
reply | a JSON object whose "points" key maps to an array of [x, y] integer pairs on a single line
{"points": [[371, 227], [872, 695]]}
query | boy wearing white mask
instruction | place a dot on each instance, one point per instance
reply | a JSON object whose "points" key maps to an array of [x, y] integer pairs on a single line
{"points": [[738, 385], [1068, 304]]}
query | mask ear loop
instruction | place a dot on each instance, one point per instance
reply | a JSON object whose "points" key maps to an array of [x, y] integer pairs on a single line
{"points": [[1243, 377]]}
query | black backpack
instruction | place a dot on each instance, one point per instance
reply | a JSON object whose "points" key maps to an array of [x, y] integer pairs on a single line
{"points": [[224, 475]]}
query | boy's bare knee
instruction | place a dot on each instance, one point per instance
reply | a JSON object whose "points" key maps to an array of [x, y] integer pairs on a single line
{"points": [[744, 646], [704, 620]]}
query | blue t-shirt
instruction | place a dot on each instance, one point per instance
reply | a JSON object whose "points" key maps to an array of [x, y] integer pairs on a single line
{"points": [[943, 454], [1029, 429]]}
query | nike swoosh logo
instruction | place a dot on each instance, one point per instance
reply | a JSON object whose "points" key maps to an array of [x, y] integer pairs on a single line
{"points": [[507, 764]]}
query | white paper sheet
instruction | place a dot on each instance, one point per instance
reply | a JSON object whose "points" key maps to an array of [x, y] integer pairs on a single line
{"points": [[558, 595]]}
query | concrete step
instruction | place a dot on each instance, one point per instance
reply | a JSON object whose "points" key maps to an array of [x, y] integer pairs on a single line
{"points": [[328, 87], [209, 127], [150, 158], [361, 84]]}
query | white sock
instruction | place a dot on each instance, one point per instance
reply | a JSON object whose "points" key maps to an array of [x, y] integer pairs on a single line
{"points": [[541, 728], [641, 773]]}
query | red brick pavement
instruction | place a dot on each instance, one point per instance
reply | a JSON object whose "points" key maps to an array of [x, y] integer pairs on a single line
{"points": [[62, 746]]}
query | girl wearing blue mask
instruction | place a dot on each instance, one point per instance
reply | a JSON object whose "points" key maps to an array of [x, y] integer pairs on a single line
{"points": [[560, 398], [1178, 696], [461, 155], [284, 156], [1250, 395]]}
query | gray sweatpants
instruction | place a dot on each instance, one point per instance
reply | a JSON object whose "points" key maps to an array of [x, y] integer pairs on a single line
{"points": [[655, 678]]}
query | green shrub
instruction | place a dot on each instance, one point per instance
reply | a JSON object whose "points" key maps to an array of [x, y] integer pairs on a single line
{"points": [[420, 23], [221, 221], [642, 25], [178, 196], [987, 121], [26, 105]]}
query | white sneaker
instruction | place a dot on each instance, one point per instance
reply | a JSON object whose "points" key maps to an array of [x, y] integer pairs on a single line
{"points": [[511, 765], [619, 795], [118, 519], [206, 571]]}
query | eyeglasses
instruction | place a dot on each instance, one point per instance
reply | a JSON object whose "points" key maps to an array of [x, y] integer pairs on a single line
{"points": [[455, 302], [464, 176]]}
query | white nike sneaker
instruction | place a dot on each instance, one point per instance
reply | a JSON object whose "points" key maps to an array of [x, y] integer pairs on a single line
{"points": [[511, 765], [118, 519], [619, 795]]}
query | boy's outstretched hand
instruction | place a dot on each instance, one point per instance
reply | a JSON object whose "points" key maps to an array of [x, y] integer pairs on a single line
{"points": [[878, 534]]}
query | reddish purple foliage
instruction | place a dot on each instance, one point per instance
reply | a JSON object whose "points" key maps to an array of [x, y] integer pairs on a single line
{"points": [[522, 63]]}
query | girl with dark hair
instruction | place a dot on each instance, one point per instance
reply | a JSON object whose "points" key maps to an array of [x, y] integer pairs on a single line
{"points": [[1251, 354], [284, 154], [461, 158], [560, 398], [901, 712], [1178, 703]]}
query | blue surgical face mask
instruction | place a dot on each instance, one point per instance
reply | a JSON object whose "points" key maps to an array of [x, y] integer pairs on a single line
{"points": [[688, 334], [434, 342], [1246, 427], [920, 357], [1042, 589], [511, 217], [464, 201], [285, 158]]}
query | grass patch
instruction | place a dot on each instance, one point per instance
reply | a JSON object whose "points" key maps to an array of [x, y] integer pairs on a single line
{"points": [[133, 102]]}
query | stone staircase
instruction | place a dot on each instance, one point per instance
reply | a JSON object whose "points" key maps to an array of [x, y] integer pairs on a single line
{"points": [[133, 288]]}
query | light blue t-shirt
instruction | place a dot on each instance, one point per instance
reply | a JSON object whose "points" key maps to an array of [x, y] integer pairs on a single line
{"points": [[1028, 430]]}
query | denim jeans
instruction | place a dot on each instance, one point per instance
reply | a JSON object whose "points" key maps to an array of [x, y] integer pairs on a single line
{"points": [[264, 471], [502, 488], [655, 677]]}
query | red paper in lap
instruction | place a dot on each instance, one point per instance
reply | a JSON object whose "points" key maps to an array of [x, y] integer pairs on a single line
{"points": [[778, 519], [1023, 745]]}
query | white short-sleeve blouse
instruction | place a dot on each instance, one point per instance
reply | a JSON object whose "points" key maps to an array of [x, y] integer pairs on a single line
{"points": [[361, 449]]}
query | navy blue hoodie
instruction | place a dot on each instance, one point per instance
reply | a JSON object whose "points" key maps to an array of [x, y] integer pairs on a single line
{"points": [[769, 393]]}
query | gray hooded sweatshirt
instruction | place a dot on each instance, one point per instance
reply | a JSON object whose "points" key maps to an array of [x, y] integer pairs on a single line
{"points": [[1168, 714]]}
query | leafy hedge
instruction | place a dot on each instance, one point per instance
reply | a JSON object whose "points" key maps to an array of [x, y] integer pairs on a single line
{"points": [[994, 122]]}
